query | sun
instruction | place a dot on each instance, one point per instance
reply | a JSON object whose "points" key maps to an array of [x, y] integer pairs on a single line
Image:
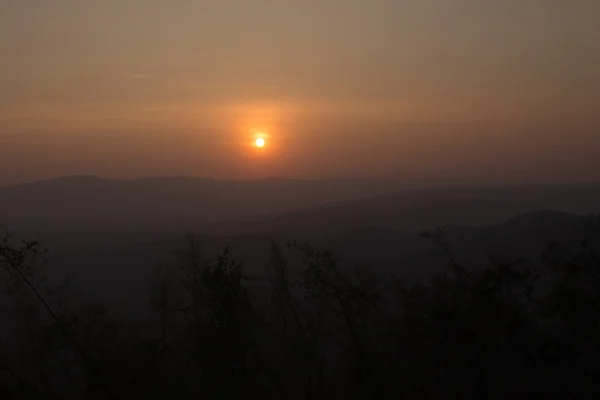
{"points": [[259, 142]]}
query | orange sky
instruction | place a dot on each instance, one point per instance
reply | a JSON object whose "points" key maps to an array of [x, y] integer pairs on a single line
{"points": [[343, 88]]}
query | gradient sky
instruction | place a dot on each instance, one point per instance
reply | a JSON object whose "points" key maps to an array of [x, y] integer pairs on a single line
{"points": [[386, 88]]}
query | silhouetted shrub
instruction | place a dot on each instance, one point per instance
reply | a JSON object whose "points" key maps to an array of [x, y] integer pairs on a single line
{"points": [[323, 329]]}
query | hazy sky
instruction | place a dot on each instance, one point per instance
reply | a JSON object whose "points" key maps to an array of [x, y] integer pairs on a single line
{"points": [[404, 88]]}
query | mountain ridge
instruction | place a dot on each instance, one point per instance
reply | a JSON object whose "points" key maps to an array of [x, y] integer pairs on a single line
{"points": [[294, 206]]}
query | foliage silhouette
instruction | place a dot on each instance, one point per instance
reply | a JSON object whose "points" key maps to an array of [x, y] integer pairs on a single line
{"points": [[312, 327]]}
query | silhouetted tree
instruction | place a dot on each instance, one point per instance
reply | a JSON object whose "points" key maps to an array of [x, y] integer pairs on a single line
{"points": [[328, 329]]}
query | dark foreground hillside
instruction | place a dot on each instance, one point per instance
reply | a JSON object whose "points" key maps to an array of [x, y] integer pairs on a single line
{"points": [[310, 326]]}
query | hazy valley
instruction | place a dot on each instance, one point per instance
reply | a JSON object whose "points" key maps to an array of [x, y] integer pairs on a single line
{"points": [[112, 234]]}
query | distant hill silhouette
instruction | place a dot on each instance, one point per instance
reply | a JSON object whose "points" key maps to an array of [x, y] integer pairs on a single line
{"points": [[301, 207], [414, 210], [88, 203]]}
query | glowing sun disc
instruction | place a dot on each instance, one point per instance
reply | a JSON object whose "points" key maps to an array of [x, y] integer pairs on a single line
{"points": [[259, 142]]}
